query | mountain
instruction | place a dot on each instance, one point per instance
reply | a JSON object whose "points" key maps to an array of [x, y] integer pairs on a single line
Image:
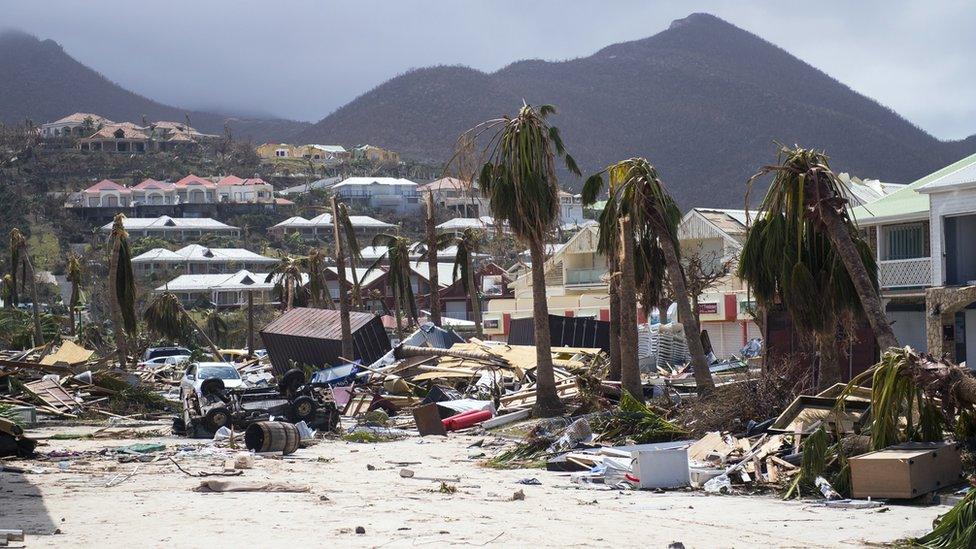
{"points": [[43, 83], [703, 100]]}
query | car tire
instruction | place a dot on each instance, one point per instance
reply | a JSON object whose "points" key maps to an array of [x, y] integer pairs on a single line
{"points": [[179, 426], [216, 418], [291, 381], [303, 408]]}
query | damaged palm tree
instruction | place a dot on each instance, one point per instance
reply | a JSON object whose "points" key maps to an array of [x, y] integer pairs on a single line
{"points": [[518, 177], [430, 232], [467, 246], [74, 276], [347, 233], [166, 316], [955, 529], [398, 276], [637, 192], [288, 274], [345, 325], [20, 260], [122, 289], [915, 397], [805, 251]]}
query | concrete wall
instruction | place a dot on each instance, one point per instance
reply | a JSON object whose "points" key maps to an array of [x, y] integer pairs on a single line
{"points": [[909, 328]]}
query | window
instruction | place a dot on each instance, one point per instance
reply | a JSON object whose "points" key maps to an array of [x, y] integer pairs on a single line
{"points": [[905, 241], [281, 153]]}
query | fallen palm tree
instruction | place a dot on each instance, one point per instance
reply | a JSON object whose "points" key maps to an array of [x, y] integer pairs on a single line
{"points": [[915, 397]]}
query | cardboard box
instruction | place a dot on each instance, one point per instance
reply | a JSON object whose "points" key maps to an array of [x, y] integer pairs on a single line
{"points": [[906, 470]]}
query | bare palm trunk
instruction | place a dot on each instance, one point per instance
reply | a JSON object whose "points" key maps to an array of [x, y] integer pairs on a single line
{"points": [[345, 325], [397, 312], [840, 236], [35, 306], [357, 289], [547, 403], [120, 336], [831, 370], [435, 299], [614, 373], [250, 323], [72, 309], [629, 373], [475, 302], [699, 364]]}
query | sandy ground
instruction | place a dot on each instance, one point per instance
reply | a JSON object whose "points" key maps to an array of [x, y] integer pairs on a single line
{"points": [[157, 506]]}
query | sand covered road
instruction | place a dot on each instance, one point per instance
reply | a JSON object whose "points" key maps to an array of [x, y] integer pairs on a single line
{"points": [[359, 485]]}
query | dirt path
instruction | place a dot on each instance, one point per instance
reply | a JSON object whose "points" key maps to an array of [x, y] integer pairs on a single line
{"points": [[157, 507]]}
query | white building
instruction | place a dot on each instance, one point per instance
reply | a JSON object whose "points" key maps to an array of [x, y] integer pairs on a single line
{"points": [[459, 224], [176, 229], [197, 259], [923, 236], [74, 125], [381, 193], [223, 290], [570, 208], [320, 226]]}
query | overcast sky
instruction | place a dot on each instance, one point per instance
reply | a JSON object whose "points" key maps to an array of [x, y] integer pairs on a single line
{"points": [[304, 58]]}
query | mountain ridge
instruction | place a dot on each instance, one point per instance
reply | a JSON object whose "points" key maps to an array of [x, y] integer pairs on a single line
{"points": [[52, 84], [701, 87]]}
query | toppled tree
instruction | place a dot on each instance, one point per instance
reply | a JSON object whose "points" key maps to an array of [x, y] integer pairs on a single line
{"points": [[915, 397], [166, 316]]}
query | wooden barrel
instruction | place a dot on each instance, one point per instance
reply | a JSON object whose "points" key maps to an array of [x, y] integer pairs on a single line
{"points": [[272, 436]]}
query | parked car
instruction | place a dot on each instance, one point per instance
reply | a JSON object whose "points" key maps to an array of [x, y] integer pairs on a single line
{"points": [[164, 360], [233, 355], [154, 352], [198, 373]]}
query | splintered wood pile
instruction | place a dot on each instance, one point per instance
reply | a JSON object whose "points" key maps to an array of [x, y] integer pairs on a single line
{"points": [[507, 368]]}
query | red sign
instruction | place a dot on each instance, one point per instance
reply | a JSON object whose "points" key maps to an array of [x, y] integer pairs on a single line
{"points": [[708, 308]]}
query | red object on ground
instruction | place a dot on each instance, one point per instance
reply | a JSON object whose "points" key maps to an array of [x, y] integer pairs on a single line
{"points": [[467, 419]]}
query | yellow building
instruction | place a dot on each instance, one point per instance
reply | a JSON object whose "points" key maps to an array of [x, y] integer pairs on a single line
{"points": [[272, 151], [376, 154], [575, 286]]}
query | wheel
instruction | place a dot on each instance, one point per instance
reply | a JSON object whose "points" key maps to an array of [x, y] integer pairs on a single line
{"points": [[213, 386], [303, 408], [291, 381], [216, 418]]}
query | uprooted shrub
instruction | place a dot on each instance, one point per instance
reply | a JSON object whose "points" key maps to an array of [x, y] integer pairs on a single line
{"points": [[758, 397]]}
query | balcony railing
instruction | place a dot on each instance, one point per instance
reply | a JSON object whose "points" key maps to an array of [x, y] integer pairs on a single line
{"points": [[905, 273], [576, 277]]}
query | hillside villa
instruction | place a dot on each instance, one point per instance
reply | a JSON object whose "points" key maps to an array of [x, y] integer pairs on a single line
{"points": [[320, 226], [381, 193], [376, 154], [197, 259], [314, 152], [79, 124], [228, 290], [175, 229]]}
